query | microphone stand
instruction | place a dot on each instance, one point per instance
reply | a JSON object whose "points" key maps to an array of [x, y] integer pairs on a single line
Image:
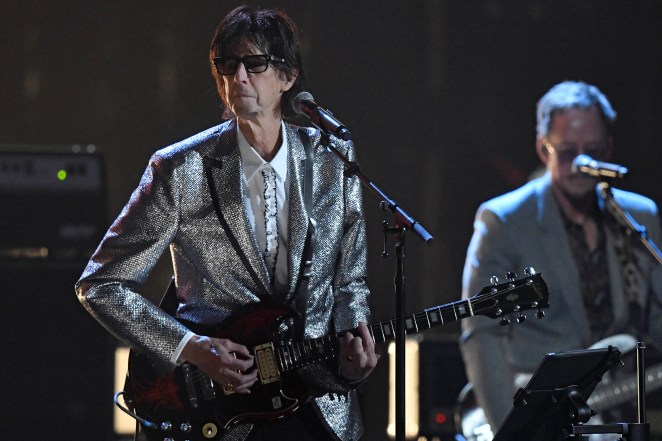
{"points": [[402, 223], [628, 222]]}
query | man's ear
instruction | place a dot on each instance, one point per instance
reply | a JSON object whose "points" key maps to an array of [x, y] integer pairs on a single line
{"points": [[542, 150], [288, 80]]}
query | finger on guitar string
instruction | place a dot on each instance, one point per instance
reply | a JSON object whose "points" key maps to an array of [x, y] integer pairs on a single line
{"points": [[236, 380], [358, 357]]}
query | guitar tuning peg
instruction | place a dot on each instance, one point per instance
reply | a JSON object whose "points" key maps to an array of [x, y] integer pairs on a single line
{"points": [[529, 271], [494, 280], [511, 275], [540, 314], [521, 318], [504, 322]]}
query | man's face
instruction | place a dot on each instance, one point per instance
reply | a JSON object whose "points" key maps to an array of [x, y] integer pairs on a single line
{"points": [[573, 132], [254, 95]]}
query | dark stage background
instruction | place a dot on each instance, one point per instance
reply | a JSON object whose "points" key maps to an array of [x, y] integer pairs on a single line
{"points": [[440, 96]]}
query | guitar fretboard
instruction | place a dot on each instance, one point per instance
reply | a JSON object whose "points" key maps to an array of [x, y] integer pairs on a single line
{"points": [[493, 301], [296, 355], [424, 320]]}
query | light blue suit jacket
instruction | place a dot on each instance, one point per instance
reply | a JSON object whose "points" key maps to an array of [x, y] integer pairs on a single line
{"points": [[525, 228]]}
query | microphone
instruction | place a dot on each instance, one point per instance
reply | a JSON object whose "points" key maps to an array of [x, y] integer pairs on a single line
{"points": [[324, 120], [587, 165]]}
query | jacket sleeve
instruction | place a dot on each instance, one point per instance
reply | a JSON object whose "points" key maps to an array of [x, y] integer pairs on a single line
{"points": [[483, 341], [350, 287], [123, 261]]}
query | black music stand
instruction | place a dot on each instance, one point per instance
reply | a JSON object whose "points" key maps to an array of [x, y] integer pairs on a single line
{"points": [[555, 398]]}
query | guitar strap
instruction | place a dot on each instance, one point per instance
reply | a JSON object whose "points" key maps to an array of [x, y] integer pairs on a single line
{"points": [[629, 273]]}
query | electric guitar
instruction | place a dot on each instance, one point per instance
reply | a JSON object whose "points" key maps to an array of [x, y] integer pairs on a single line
{"points": [[185, 404]]}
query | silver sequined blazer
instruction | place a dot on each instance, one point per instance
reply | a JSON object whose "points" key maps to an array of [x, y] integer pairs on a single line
{"points": [[172, 207]]}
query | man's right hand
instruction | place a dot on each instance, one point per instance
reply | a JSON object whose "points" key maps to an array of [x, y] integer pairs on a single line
{"points": [[225, 361]]}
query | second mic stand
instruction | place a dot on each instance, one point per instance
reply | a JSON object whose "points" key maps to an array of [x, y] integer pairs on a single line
{"points": [[402, 223]]}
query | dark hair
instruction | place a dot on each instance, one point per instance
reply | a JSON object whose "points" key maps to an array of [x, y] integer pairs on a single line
{"points": [[270, 30], [568, 95]]}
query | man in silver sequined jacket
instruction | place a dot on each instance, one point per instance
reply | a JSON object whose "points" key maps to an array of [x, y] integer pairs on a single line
{"points": [[204, 199]]}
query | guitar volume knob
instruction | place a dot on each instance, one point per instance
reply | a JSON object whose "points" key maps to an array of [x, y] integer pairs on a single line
{"points": [[209, 430], [504, 322], [494, 280], [185, 427], [166, 426]]}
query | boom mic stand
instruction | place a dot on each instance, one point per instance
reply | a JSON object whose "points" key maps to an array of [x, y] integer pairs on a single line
{"points": [[402, 223], [628, 222]]}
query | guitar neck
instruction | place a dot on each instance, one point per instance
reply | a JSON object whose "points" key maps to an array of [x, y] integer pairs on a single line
{"points": [[493, 301], [619, 392], [424, 320], [295, 355]]}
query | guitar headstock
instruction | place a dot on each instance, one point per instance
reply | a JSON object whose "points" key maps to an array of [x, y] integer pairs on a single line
{"points": [[513, 296]]}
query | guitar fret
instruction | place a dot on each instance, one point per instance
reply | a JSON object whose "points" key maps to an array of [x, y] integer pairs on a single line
{"points": [[388, 329], [411, 324], [293, 354], [427, 319], [422, 322], [288, 356], [450, 315], [435, 316]]}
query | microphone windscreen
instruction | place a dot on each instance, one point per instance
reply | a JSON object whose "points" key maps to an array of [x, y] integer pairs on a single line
{"points": [[581, 161], [296, 102]]}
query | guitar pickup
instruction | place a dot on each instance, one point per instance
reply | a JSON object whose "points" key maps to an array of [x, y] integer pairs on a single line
{"points": [[265, 358]]}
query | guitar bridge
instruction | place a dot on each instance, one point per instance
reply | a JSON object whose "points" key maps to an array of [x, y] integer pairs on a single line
{"points": [[267, 367]]}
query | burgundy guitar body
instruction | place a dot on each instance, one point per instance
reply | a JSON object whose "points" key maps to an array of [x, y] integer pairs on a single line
{"points": [[185, 404]]}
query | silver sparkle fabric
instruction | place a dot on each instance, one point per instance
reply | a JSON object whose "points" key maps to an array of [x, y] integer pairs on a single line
{"points": [[172, 208]]}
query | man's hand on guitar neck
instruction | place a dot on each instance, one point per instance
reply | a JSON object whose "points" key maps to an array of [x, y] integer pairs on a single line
{"points": [[357, 354], [225, 361]]}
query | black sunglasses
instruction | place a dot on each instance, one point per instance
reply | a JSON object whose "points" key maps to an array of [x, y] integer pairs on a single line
{"points": [[252, 63]]}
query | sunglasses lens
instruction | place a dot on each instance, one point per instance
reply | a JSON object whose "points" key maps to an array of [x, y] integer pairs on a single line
{"points": [[255, 63]]}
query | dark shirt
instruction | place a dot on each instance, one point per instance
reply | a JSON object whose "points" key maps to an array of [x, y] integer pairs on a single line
{"points": [[593, 270]]}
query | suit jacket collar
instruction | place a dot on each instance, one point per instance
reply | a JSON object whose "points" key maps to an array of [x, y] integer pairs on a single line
{"points": [[227, 177], [298, 217]]}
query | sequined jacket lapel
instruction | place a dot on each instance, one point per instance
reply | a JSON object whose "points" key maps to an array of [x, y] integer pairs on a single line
{"points": [[223, 161]]}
